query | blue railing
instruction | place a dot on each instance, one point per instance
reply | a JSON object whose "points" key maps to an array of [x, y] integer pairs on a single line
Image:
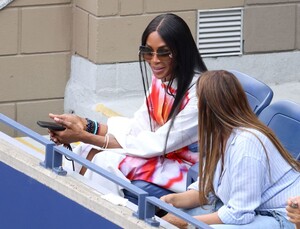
{"points": [[53, 161]]}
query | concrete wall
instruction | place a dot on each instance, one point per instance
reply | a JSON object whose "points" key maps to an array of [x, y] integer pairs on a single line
{"points": [[105, 70], [110, 31], [39, 37], [35, 48], [271, 25]]}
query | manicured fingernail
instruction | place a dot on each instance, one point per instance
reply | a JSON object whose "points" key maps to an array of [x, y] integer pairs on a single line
{"points": [[294, 205]]}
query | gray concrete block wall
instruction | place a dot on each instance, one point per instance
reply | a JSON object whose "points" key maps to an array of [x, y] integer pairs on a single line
{"points": [[35, 51], [9, 32], [298, 28], [8, 109], [262, 2], [131, 7], [46, 29], [270, 28], [157, 6], [99, 7], [30, 77], [95, 39], [80, 31], [114, 31], [114, 35], [37, 2]]}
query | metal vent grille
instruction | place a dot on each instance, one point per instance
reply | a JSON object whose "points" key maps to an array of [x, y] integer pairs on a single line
{"points": [[220, 32]]}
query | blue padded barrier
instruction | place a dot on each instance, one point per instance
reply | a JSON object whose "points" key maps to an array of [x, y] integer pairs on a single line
{"points": [[151, 202], [28, 203]]}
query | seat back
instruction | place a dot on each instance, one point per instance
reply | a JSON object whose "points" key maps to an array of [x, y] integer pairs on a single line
{"points": [[283, 117], [258, 93]]}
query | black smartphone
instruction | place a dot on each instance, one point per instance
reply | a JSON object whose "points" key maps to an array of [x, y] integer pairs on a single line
{"points": [[51, 125]]}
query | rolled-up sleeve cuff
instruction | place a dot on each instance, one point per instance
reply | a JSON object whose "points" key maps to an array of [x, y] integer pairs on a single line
{"points": [[194, 186], [227, 217]]}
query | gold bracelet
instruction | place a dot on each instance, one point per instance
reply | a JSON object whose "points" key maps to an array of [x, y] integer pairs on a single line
{"points": [[107, 140]]}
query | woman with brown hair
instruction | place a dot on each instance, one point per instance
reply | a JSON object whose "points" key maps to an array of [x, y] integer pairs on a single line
{"points": [[246, 175]]}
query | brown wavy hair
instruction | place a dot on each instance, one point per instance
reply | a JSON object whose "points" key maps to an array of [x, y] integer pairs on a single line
{"points": [[223, 106]]}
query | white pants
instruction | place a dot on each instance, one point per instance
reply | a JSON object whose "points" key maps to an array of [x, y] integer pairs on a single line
{"points": [[107, 160]]}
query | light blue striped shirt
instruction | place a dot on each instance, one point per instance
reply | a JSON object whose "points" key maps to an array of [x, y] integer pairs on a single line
{"points": [[247, 183]]}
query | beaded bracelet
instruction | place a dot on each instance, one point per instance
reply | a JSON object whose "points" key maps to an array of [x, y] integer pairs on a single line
{"points": [[95, 128], [107, 141], [89, 126], [105, 137], [92, 126]]}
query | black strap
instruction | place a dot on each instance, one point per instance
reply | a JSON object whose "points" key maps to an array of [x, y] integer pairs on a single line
{"points": [[68, 146]]}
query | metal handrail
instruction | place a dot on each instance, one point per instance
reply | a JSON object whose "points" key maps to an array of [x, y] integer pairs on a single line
{"points": [[53, 160], [30, 133], [141, 194], [152, 202]]}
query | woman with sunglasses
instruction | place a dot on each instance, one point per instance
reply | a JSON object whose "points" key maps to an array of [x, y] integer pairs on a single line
{"points": [[247, 174], [136, 148]]}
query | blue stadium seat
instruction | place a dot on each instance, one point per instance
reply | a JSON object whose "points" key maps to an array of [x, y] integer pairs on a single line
{"points": [[258, 93], [283, 117], [259, 96]]}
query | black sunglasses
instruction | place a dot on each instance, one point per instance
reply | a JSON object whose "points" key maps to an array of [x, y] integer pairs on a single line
{"points": [[162, 54]]}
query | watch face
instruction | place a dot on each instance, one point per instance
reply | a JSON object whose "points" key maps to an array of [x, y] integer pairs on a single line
{"points": [[4, 3]]}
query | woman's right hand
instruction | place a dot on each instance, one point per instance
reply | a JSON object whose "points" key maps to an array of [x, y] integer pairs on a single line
{"points": [[75, 128], [293, 210]]}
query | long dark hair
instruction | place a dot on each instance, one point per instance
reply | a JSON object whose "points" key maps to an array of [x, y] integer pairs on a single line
{"points": [[186, 58], [223, 106]]}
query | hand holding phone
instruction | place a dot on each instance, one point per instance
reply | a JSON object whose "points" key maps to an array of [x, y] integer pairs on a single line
{"points": [[51, 125], [56, 127]]}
